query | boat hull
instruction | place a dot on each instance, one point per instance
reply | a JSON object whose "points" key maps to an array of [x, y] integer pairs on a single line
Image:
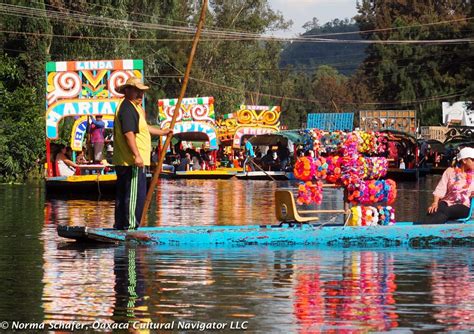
{"points": [[285, 235], [398, 174], [259, 175], [201, 174], [81, 184]]}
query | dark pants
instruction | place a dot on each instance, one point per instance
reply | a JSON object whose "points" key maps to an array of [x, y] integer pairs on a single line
{"points": [[446, 213], [129, 197], [248, 162], [98, 148], [130, 294]]}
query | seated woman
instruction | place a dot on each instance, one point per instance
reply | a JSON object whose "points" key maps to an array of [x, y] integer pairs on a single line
{"points": [[454, 190], [81, 158], [184, 163], [66, 167], [196, 162], [268, 161]]}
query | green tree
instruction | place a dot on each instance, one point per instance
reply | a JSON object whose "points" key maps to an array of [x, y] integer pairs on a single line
{"points": [[413, 75], [241, 64], [21, 126], [345, 57]]}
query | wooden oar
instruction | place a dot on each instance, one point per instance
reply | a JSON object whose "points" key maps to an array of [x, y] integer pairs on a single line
{"points": [[255, 164], [161, 158]]}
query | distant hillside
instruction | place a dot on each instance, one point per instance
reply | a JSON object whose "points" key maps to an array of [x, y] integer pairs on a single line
{"points": [[346, 58]]}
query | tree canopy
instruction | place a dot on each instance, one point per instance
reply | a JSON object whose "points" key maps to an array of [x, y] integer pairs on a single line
{"points": [[417, 75]]}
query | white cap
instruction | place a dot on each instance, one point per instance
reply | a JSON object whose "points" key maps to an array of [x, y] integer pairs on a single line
{"points": [[465, 153]]}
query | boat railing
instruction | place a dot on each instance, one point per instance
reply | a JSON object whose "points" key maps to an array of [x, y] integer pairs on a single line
{"points": [[468, 219]]}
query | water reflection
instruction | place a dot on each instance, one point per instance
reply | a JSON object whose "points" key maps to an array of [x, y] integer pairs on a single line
{"points": [[214, 202], [130, 294], [189, 202], [222, 202], [359, 300], [452, 284], [79, 212], [274, 289], [78, 284]]}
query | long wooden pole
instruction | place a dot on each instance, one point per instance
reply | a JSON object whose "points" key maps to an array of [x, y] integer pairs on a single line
{"points": [[161, 158], [255, 164]]}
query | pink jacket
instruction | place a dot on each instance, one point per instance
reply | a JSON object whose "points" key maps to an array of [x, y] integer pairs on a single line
{"points": [[455, 187], [97, 131]]}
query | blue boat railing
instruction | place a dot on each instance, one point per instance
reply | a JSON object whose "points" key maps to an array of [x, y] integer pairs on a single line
{"points": [[468, 219]]}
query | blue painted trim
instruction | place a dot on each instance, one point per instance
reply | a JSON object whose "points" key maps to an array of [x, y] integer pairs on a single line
{"points": [[403, 233]]}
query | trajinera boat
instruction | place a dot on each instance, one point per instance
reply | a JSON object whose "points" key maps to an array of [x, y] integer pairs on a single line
{"points": [[399, 234], [76, 91], [295, 229]]}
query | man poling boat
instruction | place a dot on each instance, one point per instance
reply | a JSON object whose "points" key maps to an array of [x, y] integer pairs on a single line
{"points": [[132, 138]]}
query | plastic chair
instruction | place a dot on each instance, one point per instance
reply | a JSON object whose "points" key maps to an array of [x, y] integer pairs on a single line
{"points": [[468, 219], [285, 208]]}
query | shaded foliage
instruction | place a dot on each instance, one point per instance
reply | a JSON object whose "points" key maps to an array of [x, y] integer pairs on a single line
{"points": [[414, 75], [345, 57], [21, 126]]}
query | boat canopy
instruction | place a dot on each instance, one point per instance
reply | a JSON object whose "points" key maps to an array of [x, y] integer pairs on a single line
{"points": [[270, 139], [434, 144], [196, 131], [85, 88], [396, 135]]}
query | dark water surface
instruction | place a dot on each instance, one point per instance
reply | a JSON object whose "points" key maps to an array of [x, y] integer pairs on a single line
{"points": [[286, 290]]}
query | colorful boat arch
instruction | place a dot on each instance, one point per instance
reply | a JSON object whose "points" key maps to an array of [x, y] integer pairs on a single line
{"points": [[249, 131], [80, 127], [198, 127], [195, 120], [199, 109], [76, 107], [248, 120], [83, 88]]}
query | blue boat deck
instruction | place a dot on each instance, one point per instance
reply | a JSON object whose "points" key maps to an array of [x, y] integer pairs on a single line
{"points": [[402, 233]]}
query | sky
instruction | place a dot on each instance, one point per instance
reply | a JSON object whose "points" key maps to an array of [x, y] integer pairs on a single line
{"points": [[302, 11]]}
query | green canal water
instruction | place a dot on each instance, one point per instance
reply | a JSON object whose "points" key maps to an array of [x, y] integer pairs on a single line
{"points": [[49, 282]]}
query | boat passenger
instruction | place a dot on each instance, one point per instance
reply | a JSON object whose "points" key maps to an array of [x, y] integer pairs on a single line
{"points": [[196, 163], [109, 142], [268, 160], [402, 164], [241, 158], [249, 155], [65, 166], [97, 137], [82, 160], [184, 163], [454, 190], [204, 157], [283, 154]]}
